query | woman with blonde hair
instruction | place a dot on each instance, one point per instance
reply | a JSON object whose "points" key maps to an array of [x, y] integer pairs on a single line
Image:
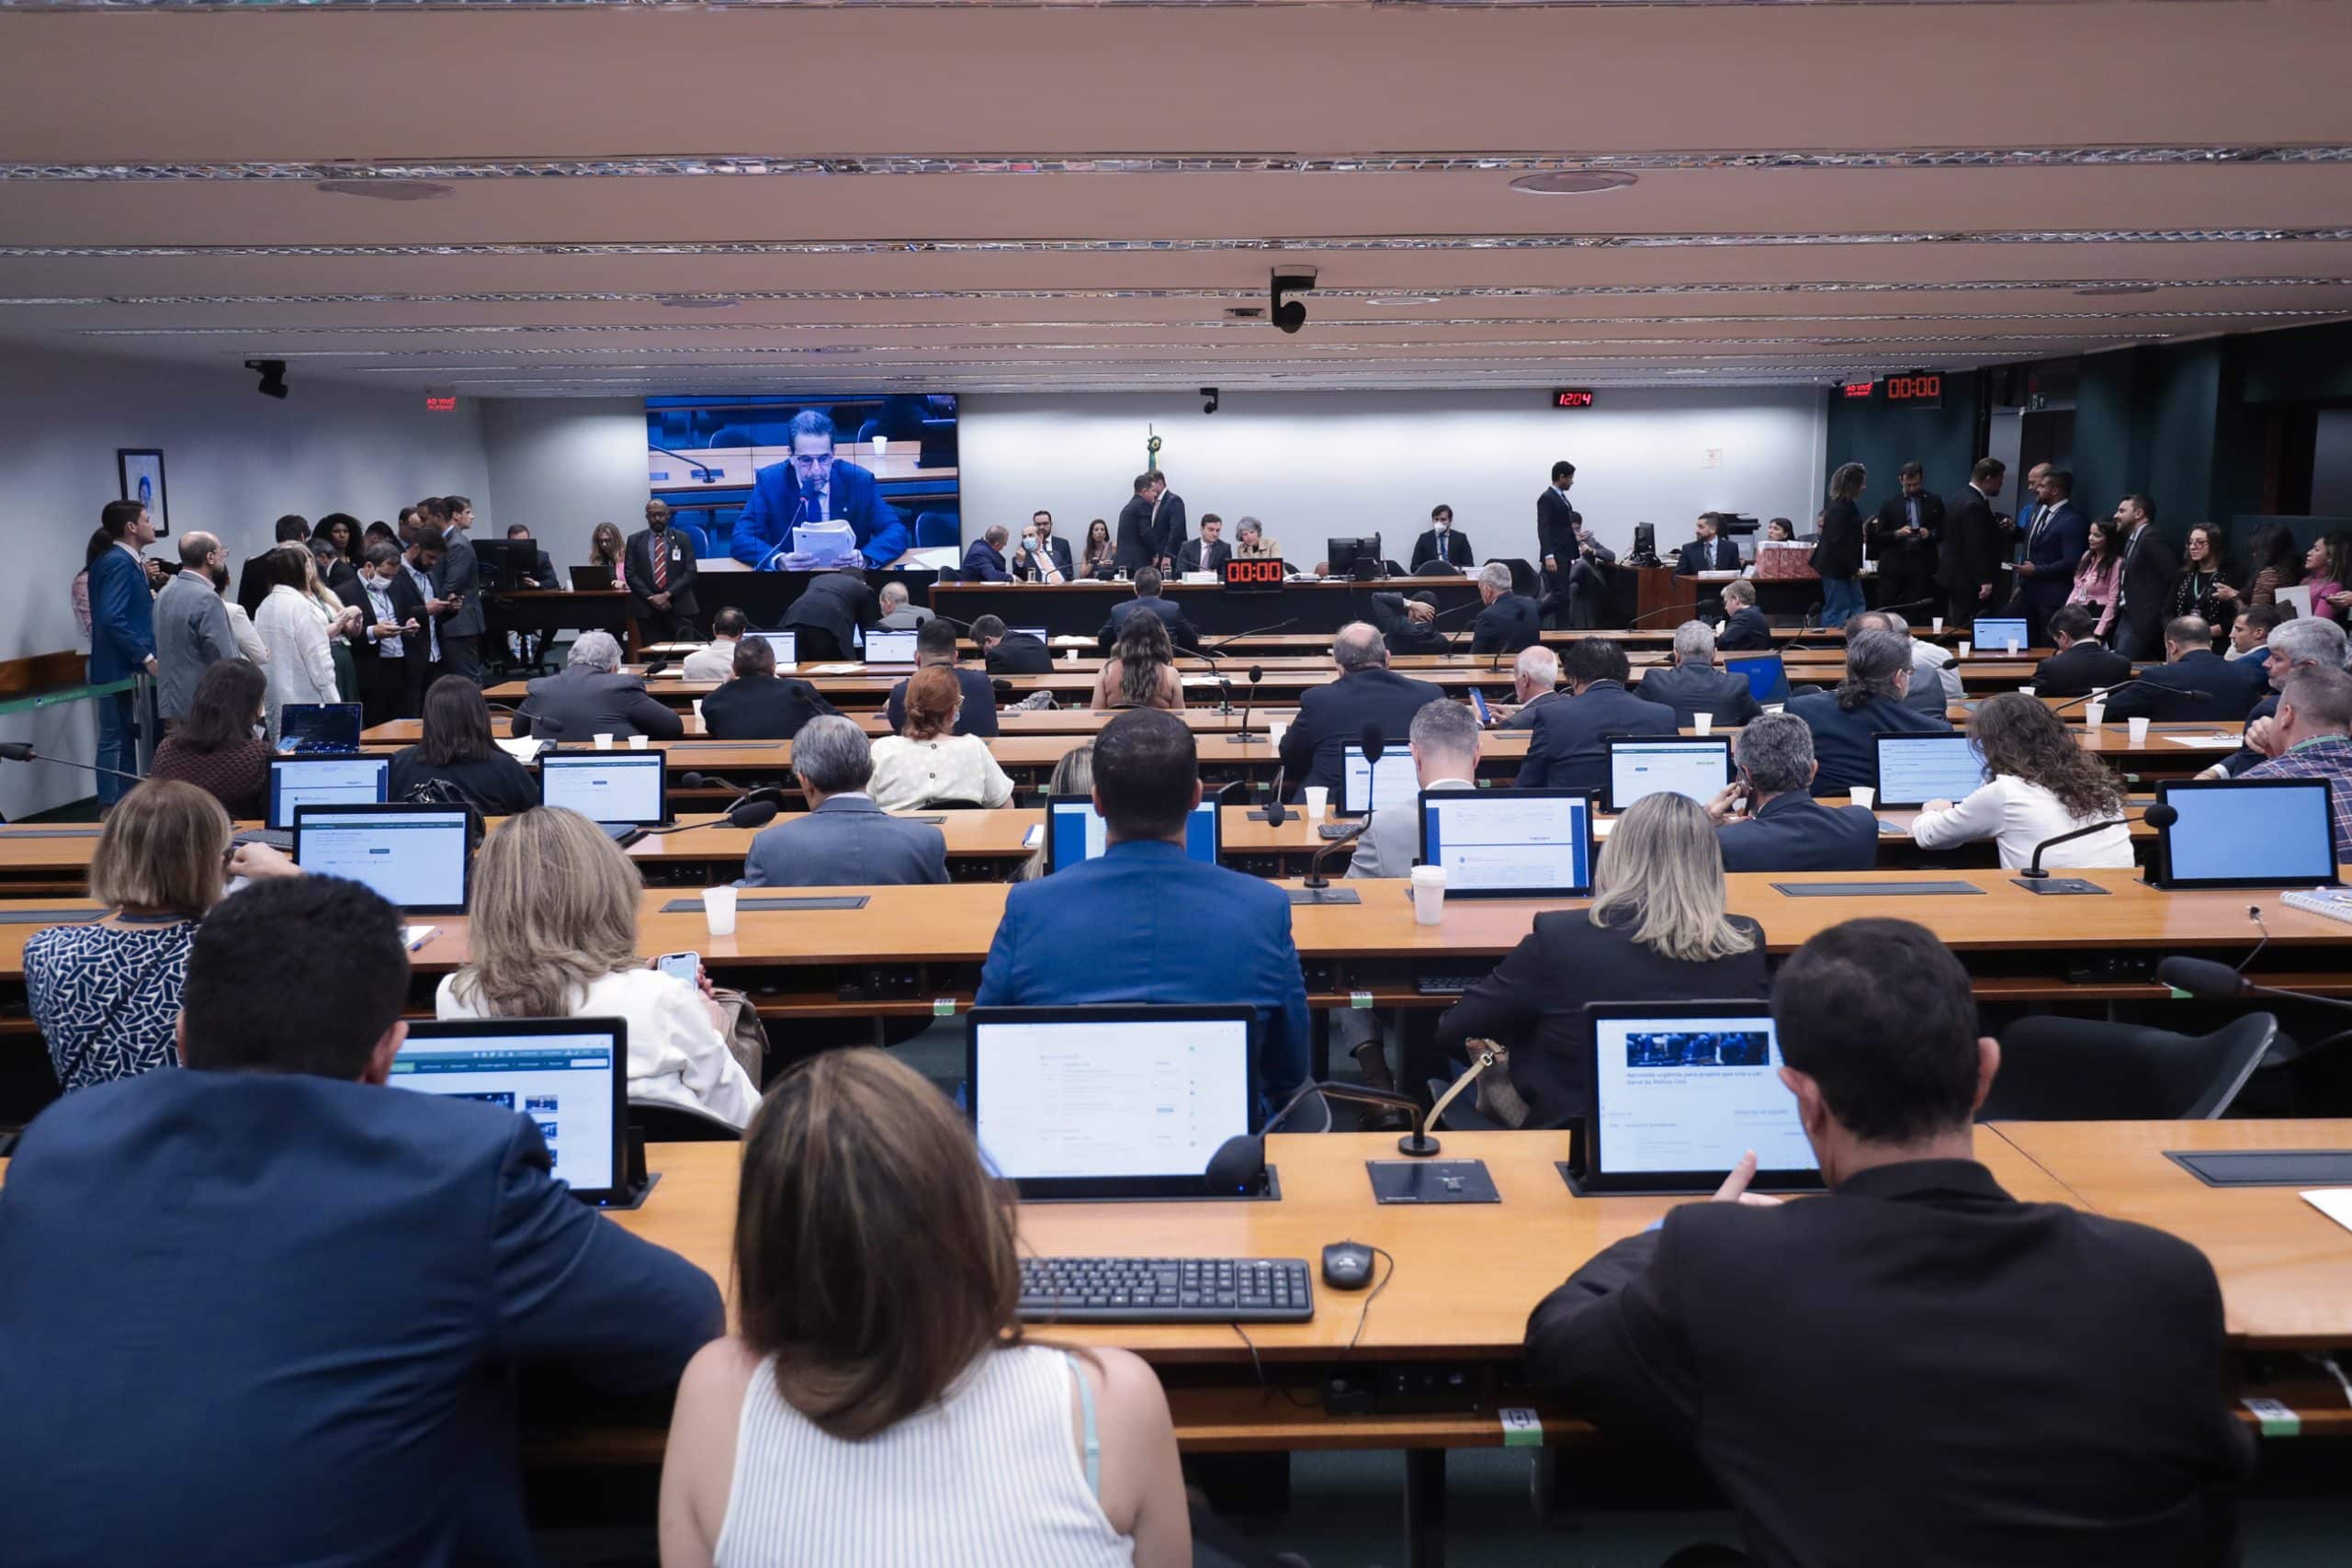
{"points": [[898, 1414], [1657, 931], [105, 994], [928, 762], [606, 548], [554, 935], [1141, 670]]}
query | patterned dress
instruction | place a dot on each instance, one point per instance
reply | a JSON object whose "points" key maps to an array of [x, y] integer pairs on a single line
{"points": [[106, 996]]}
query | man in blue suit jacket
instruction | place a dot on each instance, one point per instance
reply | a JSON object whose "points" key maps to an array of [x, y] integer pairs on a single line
{"points": [[2055, 534], [984, 557], [1232, 932], [1847, 723], [1564, 752], [2194, 682], [122, 636], [283, 1304], [843, 839], [1367, 696], [1786, 829], [813, 486]]}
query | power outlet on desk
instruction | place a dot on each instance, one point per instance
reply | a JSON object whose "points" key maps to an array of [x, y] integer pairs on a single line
{"points": [[1404, 1388], [2115, 969], [873, 983]]}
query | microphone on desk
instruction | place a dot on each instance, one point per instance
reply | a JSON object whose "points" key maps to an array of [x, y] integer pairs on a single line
{"points": [[1256, 673], [1239, 1162], [2106, 692], [1254, 631], [1374, 748], [2033, 879], [655, 667], [1805, 629], [2208, 980], [22, 752], [1276, 813], [752, 811]]}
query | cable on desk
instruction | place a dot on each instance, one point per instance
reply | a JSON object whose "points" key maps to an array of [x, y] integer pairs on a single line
{"points": [[1256, 1365], [1366, 1311]]}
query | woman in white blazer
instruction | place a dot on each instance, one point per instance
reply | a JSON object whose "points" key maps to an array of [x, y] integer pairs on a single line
{"points": [[2039, 785], [296, 628]]}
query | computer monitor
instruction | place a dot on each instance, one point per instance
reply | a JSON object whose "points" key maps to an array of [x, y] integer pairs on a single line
{"points": [[786, 645], [2246, 833], [1916, 769], [1107, 1101], [620, 788], [890, 648], [1766, 676], [323, 781], [1366, 786], [1640, 765], [319, 727], [1509, 843], [1343, 554], [569, 1074], [415, 856], [1037, 632], [1075, 831], [1681, 1090], [1994, 634]]}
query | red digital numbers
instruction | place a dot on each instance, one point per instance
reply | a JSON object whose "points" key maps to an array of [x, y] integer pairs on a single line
{"points": [[1914, 389], [1572, 398], [1254, 571]]}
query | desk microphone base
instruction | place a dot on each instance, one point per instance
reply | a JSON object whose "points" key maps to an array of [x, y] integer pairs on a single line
{"points": [[2056, 886], [1432, 1181], [1311, 896]]}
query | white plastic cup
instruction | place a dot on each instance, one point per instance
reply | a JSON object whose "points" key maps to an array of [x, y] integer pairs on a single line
{"points": [[603, 742], [1428, 895], [1776, 708], [1071, 658], [1938, 623], [2095, 717], [2139, 730], [637, 743], [881, 446], [1702, 722], [1318, 797], [697, 713], [718, 909], [2012, 644], [1276, 731], [1865, 796], [2025, 690], [1963, 647]]}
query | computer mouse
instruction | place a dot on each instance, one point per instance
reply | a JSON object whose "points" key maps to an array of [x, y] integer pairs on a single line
{"points": [[1347, 1266]]}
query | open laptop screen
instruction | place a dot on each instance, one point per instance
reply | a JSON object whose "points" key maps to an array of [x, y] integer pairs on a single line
{"points": [[1680, 1091], [1697, 768], [568, 1075], [323, 781], [786, 645], [605, 786], [1916, 769], [1075, 831], [1367, 786], [1509, 843], [890, 648], [415, 856], [2247, 833]]}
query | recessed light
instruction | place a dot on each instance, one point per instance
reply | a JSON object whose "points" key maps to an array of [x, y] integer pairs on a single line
{"points": [[2114, 290], [386, 190], [697, 302], [1686, 372], [1574, 182], [1245, 312]]}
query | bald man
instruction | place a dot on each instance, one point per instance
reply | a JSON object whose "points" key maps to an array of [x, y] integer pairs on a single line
{"points": [[1335, 716]]}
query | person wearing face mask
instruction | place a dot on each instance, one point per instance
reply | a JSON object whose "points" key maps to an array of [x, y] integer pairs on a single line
{"points": [[1443, 542], [389, 618], [812, 486], [1042, 557]]}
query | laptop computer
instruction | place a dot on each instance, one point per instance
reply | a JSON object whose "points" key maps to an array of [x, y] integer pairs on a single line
{"points": [[1366, 786], [1994, 634], [415, 856], [319, 727], [1639, 766], [1075, 831], [569, 1074], [1037, 632], [786, 645], [1509, 843], [1107, 1101], [325, 781], [590, 579], [1916, 769], [890, 648], [1681, 1090], [2246, 833], [616, 790], [1766, 675]]}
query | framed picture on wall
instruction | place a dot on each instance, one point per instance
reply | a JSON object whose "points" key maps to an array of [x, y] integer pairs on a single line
{"points": [[141, 470]]}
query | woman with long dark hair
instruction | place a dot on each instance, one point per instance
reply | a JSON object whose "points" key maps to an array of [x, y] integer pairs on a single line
{"points": [[1100, 552], [1141, 670], [2273, 560], [2208, 584], [2039, 784], [457, 752], [2098, 574], [217, 747]]}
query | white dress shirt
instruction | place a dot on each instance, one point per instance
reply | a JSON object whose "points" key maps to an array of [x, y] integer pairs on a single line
{"points": [[716, 662], [302, 663], [2019, 815], [912, 774]]}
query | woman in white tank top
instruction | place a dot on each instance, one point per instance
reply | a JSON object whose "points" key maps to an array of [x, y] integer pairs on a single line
{"points": [[878, 1406]]}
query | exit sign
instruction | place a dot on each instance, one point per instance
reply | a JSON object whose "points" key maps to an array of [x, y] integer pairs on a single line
{"points": [[1859, 389], [1572, 398], [435, 403]]}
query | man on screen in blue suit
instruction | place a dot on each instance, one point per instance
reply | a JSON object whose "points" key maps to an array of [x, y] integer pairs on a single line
{"points": [[1102, 931], [812, 486]]}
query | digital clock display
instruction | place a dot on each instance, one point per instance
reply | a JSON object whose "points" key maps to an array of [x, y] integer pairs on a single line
{"points": [[1254, 572], [1572, 398], [1919, 391]]}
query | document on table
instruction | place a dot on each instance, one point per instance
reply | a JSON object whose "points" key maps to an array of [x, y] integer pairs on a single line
{"points": [[2215, 741], [2335, 1202]]}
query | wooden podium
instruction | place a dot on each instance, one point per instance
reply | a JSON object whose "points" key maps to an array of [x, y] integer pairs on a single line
{"points": [[1658, 592]]}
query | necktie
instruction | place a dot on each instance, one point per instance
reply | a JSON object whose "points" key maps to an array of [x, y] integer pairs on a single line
{"points": [[1914, 504], [661, 563]]}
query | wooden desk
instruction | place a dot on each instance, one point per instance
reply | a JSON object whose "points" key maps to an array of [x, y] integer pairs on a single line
{"points": [[991, 839]]}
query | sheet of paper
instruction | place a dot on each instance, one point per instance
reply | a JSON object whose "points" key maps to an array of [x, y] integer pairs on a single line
{"points": [[2335, 1202], [2213, 742], [2299, 595], [417, 936], [835, 668], [1033, 837], [524, 751]]}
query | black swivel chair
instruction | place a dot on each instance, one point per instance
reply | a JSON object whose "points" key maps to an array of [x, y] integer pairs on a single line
{"points": [[2074, 1069], [665, 1123]]}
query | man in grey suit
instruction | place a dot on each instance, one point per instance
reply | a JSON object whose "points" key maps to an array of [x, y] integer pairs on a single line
{"points": [[1694, 685], [592, 697], [458, 581], [843, 839], [191, 626]]}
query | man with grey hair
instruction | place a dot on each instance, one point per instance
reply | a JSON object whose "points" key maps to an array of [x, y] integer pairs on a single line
{"points": [[1535, 682], [1510, 621], [2307, 642], [593, 697], [2193, 683], [897, 615], [843, 839], [1745, 629], [1935, 673], [1693, 685], [1786, 829], [1368, 697], [1847, 723], [192, 631]]}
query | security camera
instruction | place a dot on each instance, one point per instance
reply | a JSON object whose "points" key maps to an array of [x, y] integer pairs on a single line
{"points": [[1292, 315], [1210, 393], [273, 376]]}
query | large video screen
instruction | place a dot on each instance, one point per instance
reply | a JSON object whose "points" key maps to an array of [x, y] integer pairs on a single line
{"points": [[703, 455]]}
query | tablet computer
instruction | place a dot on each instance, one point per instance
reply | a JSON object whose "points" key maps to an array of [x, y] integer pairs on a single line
{"points": [[1679, 1091]]}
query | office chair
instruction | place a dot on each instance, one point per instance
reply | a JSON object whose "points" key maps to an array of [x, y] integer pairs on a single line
{"points": [[2078, 1069], [936, 528], [664, 1123], [1523, 579]]}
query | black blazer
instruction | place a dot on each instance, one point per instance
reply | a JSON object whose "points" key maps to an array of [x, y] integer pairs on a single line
{"points": [[1331, 718], [1510, 624], [1018, 653], [1189, 558], [1138, 540], [1565, 751], [1743, 631], [1454, 551], [762, 707], [1182, 632], [2150, 563], [638, 552], [1535, 1000], [1914, 554], [2083, 668], [1556, 527], [1845, 744], [835, 604], [2231, 688], [495, 785], [1718, 554], [2056, 1377], [1840, 553], [1690, 689], [1796, 832], [408, 604], [1025, 565], [1971, 553], [1401, 632], [252, 583], [977, 716]]}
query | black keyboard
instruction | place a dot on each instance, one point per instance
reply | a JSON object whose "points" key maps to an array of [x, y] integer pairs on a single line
{"points": [[1446, 985], [276, 838], [1166, 1290]]}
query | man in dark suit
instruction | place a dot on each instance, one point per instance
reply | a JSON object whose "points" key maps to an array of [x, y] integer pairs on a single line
{"points": [[1151, 527], [1334, 716], [2083, 664], [391, 636], [1745, 629], [456, 582], [843, 839], [1509, 621], [1042, 557], [1917, 1356], [984, 557], [2055, 534], [253, 578], [1693, 685], [2150, 563], [812, 486], [1785, 828], [830, 612], [593, 697], [413, 597], [2194, 682], [935, 644], [1233, 931], [1007, 652], [1564, 752], [1846, 723], [1147, 601], [1441, 542], [1556, 525], [1902, 537], [308, 1276], [1712, 551], [758, 704], [660, 570], [526, 564], [1409, 625], [1969, 561], [1207, 553]]}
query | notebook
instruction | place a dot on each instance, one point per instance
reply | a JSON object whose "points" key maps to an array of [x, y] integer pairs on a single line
{"points": [[2336, 903]]}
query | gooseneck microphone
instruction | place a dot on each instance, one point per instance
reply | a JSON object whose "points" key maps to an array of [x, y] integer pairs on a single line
{"points": [[2033, 879], [2106, 692], [1256, 673], [752, 811], [22, 752], [1374, 748], [1239, 1163]]}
